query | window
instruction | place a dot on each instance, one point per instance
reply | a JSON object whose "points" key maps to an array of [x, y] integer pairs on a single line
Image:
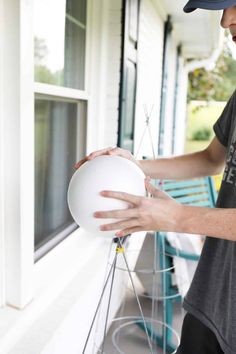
{"points": [[59, 40], [60, 113]]}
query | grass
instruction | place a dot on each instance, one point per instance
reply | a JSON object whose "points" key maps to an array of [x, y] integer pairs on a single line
{"points": [[199, 117], [195, 145], [202, 116]]}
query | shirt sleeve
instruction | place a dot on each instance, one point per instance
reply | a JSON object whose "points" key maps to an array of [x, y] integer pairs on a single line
{"points": [[222, 126]]}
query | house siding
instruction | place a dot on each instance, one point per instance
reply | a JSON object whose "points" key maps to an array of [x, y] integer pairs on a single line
{"points": [[150, 52]]}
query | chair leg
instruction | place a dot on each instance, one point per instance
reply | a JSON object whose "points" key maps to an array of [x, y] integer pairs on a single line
{"points": [[165, 265], [163, 339], [158, 338]]}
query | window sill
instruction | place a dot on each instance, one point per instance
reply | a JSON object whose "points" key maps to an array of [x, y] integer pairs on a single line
{"points": [[52, 274]]}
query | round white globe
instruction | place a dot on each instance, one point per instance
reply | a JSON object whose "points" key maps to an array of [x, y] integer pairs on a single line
{"points": [[102, 173]]}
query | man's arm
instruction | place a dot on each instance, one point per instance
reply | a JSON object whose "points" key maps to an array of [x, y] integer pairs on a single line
{"points": [[163, 213], [215, 222], [207, 162]]}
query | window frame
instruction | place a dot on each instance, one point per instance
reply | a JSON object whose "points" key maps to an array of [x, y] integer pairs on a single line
{"points": [[16, 153], [2, 246], [19, 275], [62, 94], [60, 236]]}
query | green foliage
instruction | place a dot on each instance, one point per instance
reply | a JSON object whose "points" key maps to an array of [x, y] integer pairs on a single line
{"points": [[202, 134], [201, 115], [217, 84], [42, 73]]}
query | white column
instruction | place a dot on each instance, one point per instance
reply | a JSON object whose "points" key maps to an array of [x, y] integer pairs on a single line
{"points": [[17, 150], [2, 254]]}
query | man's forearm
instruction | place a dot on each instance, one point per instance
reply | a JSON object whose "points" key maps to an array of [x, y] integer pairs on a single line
{"points": [[179, 167], [215, 222], [207, 162]]}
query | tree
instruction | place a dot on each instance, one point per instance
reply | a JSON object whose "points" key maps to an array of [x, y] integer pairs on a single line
{"points": [[217, 84]]}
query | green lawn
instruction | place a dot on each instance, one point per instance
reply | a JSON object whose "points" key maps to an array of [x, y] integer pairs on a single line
{"points": [[195, 145], [199, 118], [202, 116]]}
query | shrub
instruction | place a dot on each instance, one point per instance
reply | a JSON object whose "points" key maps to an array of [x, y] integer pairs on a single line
{"points": [[202, 134]]}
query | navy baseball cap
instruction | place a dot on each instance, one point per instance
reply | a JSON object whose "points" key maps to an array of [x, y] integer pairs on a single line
{"points": [[208, 4]]}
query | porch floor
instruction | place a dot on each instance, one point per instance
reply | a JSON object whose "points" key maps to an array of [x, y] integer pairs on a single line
{"points": [[131, 339]]}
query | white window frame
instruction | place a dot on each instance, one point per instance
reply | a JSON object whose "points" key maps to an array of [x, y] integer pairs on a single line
{"points": [[17, 150], [17, 154], [60, 260], [2, 254]]}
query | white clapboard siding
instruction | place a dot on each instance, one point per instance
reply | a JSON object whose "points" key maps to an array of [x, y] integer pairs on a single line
{"points": [[150, 51]]}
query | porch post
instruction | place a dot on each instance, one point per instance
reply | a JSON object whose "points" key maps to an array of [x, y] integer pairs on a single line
{"points": [[17, 151]]}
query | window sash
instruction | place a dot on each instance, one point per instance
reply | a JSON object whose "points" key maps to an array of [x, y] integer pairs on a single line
{"points": [[64, 94], [57, 236], [60, 48], [17, 150]]}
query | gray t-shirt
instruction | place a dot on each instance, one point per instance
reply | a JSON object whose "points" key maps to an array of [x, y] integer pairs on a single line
{"points": [[212, 294]]}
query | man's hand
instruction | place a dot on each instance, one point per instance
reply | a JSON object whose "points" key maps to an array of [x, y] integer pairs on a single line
{"points": [[113, 151], [144, 213]]}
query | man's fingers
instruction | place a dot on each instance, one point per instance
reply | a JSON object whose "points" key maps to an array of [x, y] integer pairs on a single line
{"points": [[94, 154], [116, 214], [80, 163], [128, 231], [126, 197], [151, 189], [122, 224], [156, 192], [97, 153], [106, 151]]}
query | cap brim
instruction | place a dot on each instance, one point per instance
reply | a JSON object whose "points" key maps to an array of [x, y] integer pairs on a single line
{"points": [[198, 4], [189, 9]]}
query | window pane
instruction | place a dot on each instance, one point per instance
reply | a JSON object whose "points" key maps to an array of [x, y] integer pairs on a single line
{"points": [[60, 41], [59, 136]]}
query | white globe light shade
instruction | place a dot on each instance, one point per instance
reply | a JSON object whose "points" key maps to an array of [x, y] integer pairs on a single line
{"points": [[102, 173]]}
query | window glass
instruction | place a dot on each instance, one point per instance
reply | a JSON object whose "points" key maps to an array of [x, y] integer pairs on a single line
{"points": [[59, 142], [60, 42]]}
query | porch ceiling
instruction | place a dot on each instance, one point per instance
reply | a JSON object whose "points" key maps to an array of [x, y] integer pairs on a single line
{"points": [[199, 32]]}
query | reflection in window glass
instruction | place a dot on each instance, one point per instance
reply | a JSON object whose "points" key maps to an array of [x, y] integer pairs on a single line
{"points": [[60, 41], [58, 125]]}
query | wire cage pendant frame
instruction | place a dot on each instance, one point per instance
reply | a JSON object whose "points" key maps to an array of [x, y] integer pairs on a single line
{"points": [[145, 323]]}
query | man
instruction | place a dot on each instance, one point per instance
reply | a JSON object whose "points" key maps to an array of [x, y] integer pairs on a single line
{"points": [[210, 323]]}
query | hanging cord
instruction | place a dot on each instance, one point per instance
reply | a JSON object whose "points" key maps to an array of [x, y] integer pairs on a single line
{"points": [[147, 127]]}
